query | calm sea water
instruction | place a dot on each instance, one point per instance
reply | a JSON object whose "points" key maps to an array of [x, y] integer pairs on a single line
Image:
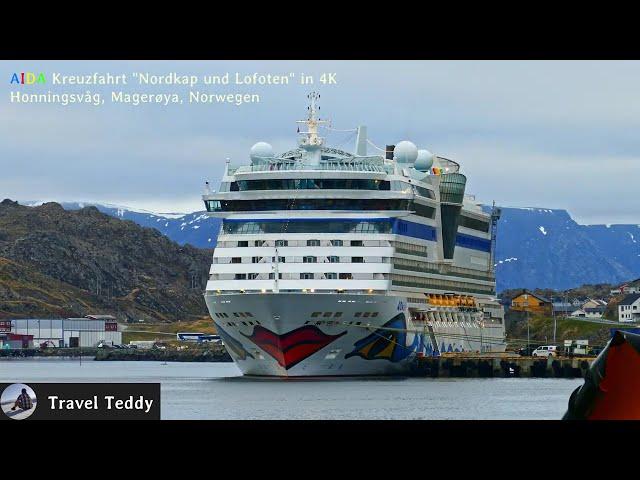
{"points": [[218, 391]]}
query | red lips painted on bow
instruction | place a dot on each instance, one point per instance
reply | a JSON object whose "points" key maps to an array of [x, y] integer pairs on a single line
{"points": [[292, 347]]}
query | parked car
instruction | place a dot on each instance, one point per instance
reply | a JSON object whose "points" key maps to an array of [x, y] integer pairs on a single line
{"points": [[527, 351], [546, 351]]}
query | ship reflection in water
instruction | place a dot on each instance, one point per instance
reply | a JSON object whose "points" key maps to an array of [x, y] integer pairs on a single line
{"points": [[217, 391]]}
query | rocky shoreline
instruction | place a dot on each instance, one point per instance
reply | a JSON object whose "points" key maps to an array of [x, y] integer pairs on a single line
{"points": [[209, 354], [192, 355]]}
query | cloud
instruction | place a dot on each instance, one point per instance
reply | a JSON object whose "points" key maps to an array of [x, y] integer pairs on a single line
{"points": [[548, 133]]}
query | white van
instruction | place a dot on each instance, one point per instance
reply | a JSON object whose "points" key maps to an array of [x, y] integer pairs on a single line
{"points": [[545, 351]]}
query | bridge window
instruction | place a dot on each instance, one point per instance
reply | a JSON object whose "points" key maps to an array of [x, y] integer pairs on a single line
{"points": [[306, 204], [311, 184]]}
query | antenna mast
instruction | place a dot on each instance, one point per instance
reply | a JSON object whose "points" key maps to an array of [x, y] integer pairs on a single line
{"points": [[310, 137]]}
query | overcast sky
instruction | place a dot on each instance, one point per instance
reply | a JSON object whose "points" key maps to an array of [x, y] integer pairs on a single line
{"points": [[552, 134]]}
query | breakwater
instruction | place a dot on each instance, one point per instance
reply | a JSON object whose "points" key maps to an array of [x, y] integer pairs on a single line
{"points": [[213, 354], [48, 352]]}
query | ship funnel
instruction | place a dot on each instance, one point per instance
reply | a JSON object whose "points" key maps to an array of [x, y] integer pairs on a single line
{"points": [[361, 141]]}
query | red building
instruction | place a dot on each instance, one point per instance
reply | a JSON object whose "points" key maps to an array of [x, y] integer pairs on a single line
{"points": [[16, 341]]}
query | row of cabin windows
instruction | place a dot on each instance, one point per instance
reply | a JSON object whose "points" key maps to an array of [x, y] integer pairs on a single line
{"points": [[235, 314], [310, 243], [328, 276], [307, 259], [331, 322], [235, 227], [437, 284], [339, 314], [303, 276], [234, 324], [326, 314]]}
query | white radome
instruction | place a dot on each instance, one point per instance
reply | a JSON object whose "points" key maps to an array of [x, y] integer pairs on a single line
{"points": [[424, 161], [261, 150], [405, 152]]}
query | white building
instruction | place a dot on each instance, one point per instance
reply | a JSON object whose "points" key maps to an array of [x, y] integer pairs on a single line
{"points": [[629, 308], [626, 289], [69, 332], [588, 312]]}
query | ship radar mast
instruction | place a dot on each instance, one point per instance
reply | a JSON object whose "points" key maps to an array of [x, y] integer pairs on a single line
{"points": [[310, 141]]}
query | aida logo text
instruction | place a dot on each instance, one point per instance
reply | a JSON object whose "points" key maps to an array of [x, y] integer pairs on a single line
{"points": [[28, 78]]}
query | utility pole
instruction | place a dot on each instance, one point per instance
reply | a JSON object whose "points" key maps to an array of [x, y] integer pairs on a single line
{"points": [[526, 309]]}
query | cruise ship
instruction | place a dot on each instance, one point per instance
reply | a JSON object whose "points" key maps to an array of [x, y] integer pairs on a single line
{"points": [[332, 263]]}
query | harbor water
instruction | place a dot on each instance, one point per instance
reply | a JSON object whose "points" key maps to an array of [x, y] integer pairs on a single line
{"points": [[199, 391]]}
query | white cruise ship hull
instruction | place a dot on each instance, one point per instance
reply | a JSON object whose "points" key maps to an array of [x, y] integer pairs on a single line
{"points": [[312, 334]]}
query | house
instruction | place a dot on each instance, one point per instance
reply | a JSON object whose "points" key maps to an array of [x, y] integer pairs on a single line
{"points": [[589, 312], [625, 289], [563, 308], [532, 303], [578, 302], [591, 303], [629, 308]]}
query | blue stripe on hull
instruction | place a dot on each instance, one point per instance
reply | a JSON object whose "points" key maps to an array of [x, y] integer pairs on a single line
{"points": [[474, 243], [415, 230], [399, 227]]}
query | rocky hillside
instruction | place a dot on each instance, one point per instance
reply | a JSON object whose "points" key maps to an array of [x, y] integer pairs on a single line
{"points": [[56, 263], [195, 228]]}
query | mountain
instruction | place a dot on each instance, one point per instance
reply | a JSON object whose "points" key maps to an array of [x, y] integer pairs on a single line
{"points": [[536, 247], [544, 248], [195, 228], [57, 262]]}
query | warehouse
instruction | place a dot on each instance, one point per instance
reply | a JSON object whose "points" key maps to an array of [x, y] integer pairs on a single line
{"points": [[69, 332]]}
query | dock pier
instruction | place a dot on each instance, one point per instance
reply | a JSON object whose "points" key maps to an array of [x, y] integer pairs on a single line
{"points": [[500, 366]]}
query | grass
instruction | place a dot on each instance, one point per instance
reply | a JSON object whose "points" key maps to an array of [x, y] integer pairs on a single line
{"points": [[145, 331], [541, 330]]}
